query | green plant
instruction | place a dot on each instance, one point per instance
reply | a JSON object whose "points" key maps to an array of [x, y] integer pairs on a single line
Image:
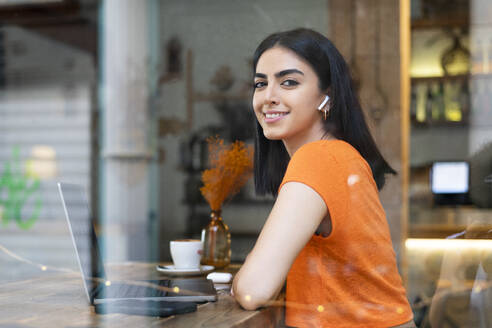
{"points": [[16, 188]]}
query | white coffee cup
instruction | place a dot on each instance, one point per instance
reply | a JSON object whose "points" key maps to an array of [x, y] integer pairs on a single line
{"points": [[186, 253]]}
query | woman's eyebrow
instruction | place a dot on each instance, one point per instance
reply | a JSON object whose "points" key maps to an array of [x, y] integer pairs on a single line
{"points": [[281, 73], [287, 72]]}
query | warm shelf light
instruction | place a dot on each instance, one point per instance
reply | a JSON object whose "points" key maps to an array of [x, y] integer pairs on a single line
{"points": [[426, 71], [448, 244]]}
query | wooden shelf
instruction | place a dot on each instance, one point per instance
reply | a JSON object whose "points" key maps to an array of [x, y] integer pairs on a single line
{"points": [[448, 220], [446, 230], [444, 78], [442, 22], [445, 124], [434, 230]]}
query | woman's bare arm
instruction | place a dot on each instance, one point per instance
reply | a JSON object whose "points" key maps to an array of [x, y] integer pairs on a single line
{"points": [[293, 220]]}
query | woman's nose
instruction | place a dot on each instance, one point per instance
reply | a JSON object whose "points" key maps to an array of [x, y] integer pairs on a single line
{"points": [[271, 97]]}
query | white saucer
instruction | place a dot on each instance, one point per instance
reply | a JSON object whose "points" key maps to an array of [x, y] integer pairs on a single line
{"points": [[170, 270]]}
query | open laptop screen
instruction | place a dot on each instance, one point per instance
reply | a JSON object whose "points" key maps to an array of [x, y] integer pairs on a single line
{"points": [[83, 234]]}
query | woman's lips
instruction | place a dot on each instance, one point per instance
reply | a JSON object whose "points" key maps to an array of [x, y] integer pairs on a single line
{"points": [[274, 117]]}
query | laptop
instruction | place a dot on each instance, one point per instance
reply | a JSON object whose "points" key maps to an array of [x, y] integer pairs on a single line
{"points": [[98, 289]]}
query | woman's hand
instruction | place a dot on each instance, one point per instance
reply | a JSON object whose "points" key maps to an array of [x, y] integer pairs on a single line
{"points": [[293, 220]]}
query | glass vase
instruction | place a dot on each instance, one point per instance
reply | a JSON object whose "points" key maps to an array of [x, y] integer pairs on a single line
{"points": [[216, 240]]}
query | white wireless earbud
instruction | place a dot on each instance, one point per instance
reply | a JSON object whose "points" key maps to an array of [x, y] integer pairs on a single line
{"points": [[320, 107]]}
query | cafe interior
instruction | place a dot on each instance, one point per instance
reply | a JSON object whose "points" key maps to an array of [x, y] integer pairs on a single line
{"points": [[131, 104]]}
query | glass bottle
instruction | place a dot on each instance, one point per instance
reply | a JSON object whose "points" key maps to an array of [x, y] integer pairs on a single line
{"points": [[464, 100], [216, 240], [413, 105], [429, 104], [439, 99]]}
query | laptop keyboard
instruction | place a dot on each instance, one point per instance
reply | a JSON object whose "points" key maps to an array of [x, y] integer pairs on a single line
{"points": [[121, 290]]}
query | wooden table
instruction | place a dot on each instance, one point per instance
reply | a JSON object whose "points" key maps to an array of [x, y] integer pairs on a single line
{"points": [[59, 300]]}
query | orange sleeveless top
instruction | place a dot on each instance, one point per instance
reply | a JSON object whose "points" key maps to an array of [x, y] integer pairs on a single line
{"points": [[350, 278]]}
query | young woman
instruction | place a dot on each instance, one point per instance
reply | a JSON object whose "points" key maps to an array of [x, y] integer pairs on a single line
{"points": [[327, 233]]}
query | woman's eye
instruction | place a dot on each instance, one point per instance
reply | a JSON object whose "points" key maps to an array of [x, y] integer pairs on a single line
{"points": [[290, 83], [259, 84]]}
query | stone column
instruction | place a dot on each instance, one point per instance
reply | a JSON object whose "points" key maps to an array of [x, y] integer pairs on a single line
{"points": [[125, 127]]}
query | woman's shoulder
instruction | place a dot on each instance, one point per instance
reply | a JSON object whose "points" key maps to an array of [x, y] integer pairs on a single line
{"points": [[337, 149]]}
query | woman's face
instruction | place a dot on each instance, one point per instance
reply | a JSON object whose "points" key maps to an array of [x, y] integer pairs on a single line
{"points": [[287, 96]]}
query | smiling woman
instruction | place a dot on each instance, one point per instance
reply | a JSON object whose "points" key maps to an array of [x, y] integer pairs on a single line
{"points": [[286, 89], [327, 234]]}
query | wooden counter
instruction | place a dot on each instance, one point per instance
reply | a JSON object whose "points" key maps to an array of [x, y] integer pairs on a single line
{"points": [[59, 300]]}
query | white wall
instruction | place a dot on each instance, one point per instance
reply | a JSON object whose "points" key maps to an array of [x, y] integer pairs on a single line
{"points": [[47, 102]]}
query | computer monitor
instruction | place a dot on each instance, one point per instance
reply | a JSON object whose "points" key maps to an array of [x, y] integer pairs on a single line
{"points": [[450, 182]]}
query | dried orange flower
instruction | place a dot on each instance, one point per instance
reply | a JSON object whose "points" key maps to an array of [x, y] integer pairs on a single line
{"points": [[231, 166]]}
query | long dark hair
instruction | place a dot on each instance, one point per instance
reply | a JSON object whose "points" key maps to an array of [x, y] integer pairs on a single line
{"points": [[345, 120]]}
